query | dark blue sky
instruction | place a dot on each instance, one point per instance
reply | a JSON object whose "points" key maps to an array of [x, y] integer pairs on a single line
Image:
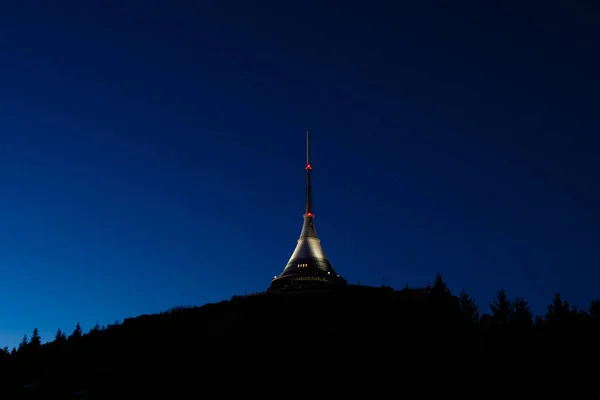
{"points": [[152, 152]]}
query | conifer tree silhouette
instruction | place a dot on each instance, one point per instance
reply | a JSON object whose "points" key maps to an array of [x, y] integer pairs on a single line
{"points": [[501, 308], [77, 332], [594, 309], [4, 355], [23, 344], [96, 328], [468, 307], [521, 315], [36, 340], [558, 311], [60, 336], [440, 288]]}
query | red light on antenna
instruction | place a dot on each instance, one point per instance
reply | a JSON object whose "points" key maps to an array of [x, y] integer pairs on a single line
{"points": [[308, 166], [309, 214]]}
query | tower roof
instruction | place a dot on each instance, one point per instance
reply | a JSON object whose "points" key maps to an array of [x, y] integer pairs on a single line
{"points": [[308, 263]]}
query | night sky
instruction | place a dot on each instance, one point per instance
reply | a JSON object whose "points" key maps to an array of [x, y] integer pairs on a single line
{"points": [[152, 152]]}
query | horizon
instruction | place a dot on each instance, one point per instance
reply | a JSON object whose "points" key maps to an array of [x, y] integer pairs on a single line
{"points": [[49, 337], [153, 156]]}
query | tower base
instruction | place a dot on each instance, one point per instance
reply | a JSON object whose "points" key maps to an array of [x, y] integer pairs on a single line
{"points": [[306, 283]]}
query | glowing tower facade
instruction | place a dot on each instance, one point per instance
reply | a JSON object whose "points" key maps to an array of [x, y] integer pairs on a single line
{"points": [[308, 267]]}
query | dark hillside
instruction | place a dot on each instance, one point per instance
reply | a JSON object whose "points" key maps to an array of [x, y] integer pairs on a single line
{"points": [[253, 342]]}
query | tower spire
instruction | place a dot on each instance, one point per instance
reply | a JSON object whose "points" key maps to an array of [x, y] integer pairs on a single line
{"points": [[308, 267], [308, 168]]}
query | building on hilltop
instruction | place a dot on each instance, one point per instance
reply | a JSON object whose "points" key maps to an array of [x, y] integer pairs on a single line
{"points": [[308, 268]]}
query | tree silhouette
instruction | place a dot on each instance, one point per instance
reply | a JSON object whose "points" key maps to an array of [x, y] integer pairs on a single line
{"points": [[60, 337], [501, 308], [439, 288], [468, 308], [96, 328], [153, 342], [4, 360], [77, 332], [559, 311], [594, 309], [23, 344], [521, 315], [36, 340], [444, 307]]}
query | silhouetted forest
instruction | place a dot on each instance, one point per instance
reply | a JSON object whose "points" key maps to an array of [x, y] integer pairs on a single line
{"points": [[268, 340]]}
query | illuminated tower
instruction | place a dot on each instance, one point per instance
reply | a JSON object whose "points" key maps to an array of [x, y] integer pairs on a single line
{"points": [[308, 267]]}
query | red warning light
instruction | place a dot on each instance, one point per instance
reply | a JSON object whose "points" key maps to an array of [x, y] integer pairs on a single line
{"points": [[308, 166]]}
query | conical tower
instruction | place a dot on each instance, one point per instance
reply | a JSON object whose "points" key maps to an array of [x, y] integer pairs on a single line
{"points": [[308, 267]]}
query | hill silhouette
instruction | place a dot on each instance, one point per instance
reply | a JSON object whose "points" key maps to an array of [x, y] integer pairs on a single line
{"points": [[264, 341]]}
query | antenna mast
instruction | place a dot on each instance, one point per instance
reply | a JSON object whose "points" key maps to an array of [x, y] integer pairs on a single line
{"points": [[308, 186], [308, 148]]}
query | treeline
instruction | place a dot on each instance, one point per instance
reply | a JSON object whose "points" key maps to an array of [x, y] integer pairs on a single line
{"points": [[155, 353]]}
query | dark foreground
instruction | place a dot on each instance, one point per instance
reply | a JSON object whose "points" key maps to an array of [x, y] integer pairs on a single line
{"points": [[361, 341]]}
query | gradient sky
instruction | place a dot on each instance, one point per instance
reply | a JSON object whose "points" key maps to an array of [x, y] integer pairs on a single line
{"points": [[152, 152]]}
